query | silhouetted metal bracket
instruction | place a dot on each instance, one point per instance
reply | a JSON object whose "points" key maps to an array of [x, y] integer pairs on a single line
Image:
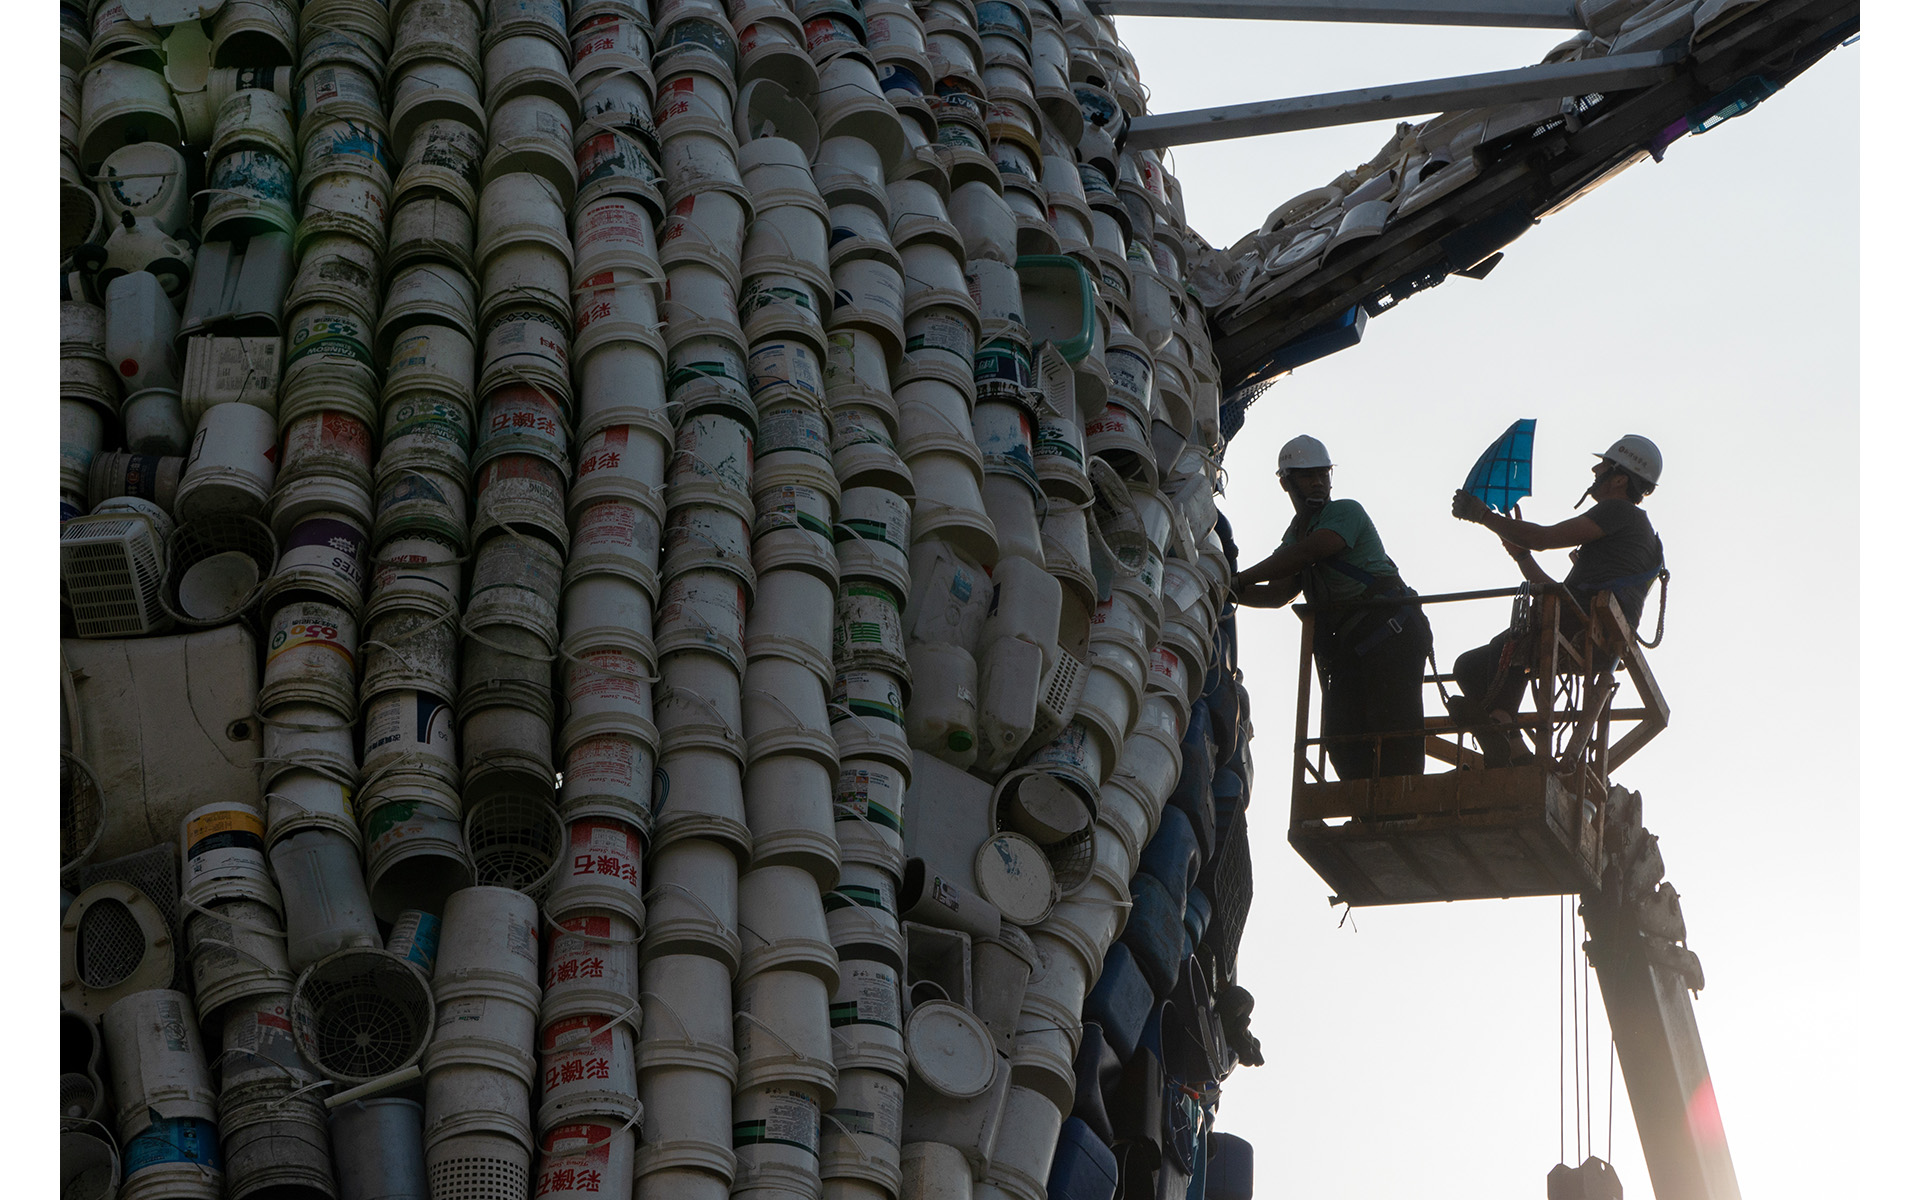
{"points": [[1546, 81], [1513, 14]]}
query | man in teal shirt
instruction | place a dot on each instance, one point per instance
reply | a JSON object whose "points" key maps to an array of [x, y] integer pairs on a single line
{"points": [[1370, 659]]}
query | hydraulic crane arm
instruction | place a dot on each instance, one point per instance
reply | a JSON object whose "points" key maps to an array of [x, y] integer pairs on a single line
{"points": [[1636, 943]]}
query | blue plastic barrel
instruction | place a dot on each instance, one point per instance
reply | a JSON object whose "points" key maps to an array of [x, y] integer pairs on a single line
{"points": [[1229, 1168], [1172, 855], [1083, 1167], [1095, 1067], [1199, 912], [1155, 932], [1120, 1001]]}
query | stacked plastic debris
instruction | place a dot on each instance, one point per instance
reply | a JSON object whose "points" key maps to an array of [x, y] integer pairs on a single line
{"points": [[794, 480]]}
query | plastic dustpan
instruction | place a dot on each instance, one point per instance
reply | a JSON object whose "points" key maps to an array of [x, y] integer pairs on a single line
{"points": [[1057, 294]]}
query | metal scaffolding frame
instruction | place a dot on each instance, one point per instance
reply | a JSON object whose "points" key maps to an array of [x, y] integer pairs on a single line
{"points": [[1516, 14]]}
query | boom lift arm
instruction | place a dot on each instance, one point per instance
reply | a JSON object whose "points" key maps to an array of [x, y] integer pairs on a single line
{"points": [[1636, 942]]}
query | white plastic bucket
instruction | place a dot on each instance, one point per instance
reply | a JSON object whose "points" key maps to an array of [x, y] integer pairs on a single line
{"points": [[236, 950], [617, 534], [615, 304], [604, 600], [415, 853], [411, 729], [686, 1004], [309, 800], [872, 535], [863, 918], [870, 294], [685, 1131], [415, 573], [611, 40], [869, 809], [710, 538], [311, 650], [325, 895], [857, 368], [865, 1013], [224, 855], [703, 610], [614, 162], [490, 933], [420, 504], [794, 445], [868, 710], [586, 1160], [468, 1100], [860, 1134], [484, 1022], [947, 503], [159, 1069], [516, 581], [777, 1124], [707, 227], [780, 1026], [533, 134], [308, 736], [783, 930], [1028, 1132], [613, 233], [934, 1171], [699, 162], [792, 617], [586, 1070], [697, 702], [713, 451], [429, 429], [867, 631], [599, 870], [592, 966], [609, 772], [793, 516], [519, 418], [258, 1051], [788, 801], [692, 902]]}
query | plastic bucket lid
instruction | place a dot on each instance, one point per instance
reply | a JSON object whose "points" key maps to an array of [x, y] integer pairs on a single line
{"points": [[950, 1049], [1014, 874]]}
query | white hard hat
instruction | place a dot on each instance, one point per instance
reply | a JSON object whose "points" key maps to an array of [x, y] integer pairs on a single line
{"points": [[1304, 453], [1635, 453]]}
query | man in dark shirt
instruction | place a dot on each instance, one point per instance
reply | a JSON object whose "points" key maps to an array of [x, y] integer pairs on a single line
{"points": [[1370, 656], [1615, 550]]}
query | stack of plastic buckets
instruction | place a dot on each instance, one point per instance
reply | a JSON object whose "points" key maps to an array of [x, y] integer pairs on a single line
{"points": [[410, 799], [480, 1062], [522, 448], [790, 758]]}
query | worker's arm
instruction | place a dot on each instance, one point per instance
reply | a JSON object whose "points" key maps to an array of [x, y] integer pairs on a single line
{"points": [[1524, 558], [1284, 565], [1574, 531]]}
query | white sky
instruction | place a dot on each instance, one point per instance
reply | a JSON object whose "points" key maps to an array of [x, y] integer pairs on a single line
{"points": [[1711, 303]]}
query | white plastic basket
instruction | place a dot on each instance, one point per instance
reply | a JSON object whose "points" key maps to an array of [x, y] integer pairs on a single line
{"points": [[112, 569]]}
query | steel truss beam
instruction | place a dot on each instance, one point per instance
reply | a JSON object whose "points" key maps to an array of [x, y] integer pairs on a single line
{"points": [[1517, 14], [1542, 82]]}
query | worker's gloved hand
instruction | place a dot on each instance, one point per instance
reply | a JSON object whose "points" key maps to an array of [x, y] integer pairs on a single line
{"points": [[1235, 1006], [1469, 507]]}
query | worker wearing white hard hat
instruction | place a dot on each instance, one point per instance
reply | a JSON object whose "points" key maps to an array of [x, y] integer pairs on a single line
{"points": [[1370, 655], [1615, 549]]}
